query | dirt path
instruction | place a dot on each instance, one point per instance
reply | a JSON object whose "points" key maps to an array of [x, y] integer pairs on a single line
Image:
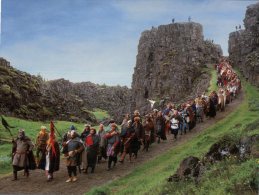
{"points": [[36, 183]]}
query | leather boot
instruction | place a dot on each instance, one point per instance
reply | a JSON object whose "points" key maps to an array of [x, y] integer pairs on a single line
{"points": [[26, 173]]}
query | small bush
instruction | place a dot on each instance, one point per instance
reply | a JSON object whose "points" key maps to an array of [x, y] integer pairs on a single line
{"points": [[5, 89]]}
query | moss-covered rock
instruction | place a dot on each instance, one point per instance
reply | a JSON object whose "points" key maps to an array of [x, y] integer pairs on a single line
{"points": [[5, 89], [16, 95], [34, 106]]}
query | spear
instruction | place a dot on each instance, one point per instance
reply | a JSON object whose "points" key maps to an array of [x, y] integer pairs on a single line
{"points": [[56, 130]]}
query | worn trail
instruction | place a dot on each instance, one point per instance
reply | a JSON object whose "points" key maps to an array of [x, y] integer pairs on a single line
{"points": [[37, 184]]}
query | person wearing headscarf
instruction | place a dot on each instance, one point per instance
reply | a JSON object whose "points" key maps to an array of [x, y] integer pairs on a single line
{"points": [[41, 143], [23, 158]]}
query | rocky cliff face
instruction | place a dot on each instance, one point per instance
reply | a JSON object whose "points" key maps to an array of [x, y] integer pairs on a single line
{"points": [[169, 63], [244, 46], [31, 97]]}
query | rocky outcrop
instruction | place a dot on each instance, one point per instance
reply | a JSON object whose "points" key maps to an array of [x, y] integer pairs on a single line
{"points": [[169, 63], [27, 96], [189, 167], [244, 46], [227, 148]]}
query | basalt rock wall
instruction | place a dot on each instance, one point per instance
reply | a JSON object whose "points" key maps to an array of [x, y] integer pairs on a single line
{"points": [[170, 64], [244, 46]]}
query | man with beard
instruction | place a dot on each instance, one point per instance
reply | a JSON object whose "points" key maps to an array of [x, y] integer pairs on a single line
{"points": [[22, 154], [103, 144], [72, 155]]}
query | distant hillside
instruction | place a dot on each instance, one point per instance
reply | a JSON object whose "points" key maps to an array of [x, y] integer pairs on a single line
{"points": [[30, 97]]}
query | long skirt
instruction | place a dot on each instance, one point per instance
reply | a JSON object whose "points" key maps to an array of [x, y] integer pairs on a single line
{"points": [[84, 159], [92, 156]]}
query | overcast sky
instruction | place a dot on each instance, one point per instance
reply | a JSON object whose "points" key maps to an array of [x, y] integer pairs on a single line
{"points": [[96, 40]]}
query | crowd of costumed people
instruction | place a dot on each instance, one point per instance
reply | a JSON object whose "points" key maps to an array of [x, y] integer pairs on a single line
{"points": [[113, 143]]}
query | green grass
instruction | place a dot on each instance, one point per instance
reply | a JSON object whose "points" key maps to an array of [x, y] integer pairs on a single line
{"points": [[150, 178], [100, 114], [221, 178], [32, 128], [213, 81]]}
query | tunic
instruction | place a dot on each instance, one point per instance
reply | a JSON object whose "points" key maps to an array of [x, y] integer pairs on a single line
{"points": [[73, 157], [20, 149]]}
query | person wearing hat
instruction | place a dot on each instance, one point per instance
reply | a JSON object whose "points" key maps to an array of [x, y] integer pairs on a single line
{"points": [[22, 154], [41, 143]]}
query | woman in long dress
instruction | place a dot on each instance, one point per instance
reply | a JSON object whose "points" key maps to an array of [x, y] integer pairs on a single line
{"points": [[52, 157]]}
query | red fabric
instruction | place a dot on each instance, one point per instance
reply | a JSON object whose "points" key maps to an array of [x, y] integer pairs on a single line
{"points": [[51, 138], [89, 140], [115, 144], [108, 135]]}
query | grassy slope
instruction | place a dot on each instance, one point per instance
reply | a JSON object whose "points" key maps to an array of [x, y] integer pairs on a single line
{"points": [[100, 114], [31, 128], [213, 81], [150, 178]]}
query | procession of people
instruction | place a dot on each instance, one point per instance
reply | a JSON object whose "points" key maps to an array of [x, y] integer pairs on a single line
{"points": [[113, 144]]}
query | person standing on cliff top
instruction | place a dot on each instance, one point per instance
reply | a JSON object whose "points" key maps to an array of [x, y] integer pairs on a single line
{"points": [[189, 19]]}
